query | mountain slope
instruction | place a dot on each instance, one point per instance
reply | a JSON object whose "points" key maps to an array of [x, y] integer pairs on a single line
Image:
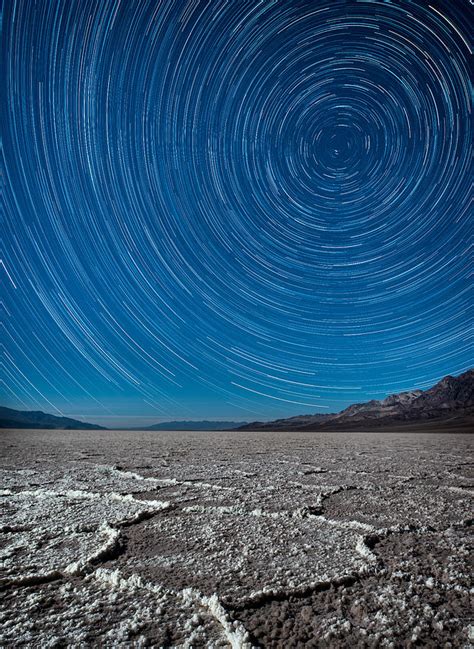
{"points": [[10, 418], [194, 425], [299, 422], [451, 399]]}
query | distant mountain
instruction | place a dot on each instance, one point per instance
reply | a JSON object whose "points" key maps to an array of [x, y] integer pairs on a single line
{"points": [[195, 425], [451, 400], [10, 418], [292, 423]]}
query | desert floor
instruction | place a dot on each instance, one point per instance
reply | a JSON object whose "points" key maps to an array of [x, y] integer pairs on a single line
{"points": [[235, 539]]}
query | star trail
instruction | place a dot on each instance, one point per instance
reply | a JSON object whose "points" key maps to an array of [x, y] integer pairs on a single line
{"points": [[233, 209]]}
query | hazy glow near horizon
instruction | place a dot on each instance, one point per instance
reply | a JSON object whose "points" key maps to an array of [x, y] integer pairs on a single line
{"points": [[233, 210]]}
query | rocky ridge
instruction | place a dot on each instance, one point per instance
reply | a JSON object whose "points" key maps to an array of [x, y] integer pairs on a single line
{"points": [[451, 401]]}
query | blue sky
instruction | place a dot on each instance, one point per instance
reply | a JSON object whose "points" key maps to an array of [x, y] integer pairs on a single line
{"points": [[233, 210]]}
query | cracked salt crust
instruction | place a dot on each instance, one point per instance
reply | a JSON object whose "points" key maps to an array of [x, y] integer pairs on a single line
{"points": [[78, 619], [46, 533], [206, 547], [236, 551]]}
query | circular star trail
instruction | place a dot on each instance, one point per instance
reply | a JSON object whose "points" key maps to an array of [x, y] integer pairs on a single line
{"points": [[234, 208]]}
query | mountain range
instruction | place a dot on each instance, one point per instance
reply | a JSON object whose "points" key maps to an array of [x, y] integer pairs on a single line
{"points": [[10, 418], [195, 425], [449, 402]]}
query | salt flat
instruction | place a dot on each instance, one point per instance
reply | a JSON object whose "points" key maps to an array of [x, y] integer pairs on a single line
{"points": [[236, 539]]}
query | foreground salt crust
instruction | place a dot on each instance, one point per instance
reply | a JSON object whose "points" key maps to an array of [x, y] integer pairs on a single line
{"points": [[223, 540], [48, 533]]}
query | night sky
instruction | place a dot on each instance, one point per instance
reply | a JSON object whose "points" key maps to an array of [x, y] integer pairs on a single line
{"points": [[234, 209]]}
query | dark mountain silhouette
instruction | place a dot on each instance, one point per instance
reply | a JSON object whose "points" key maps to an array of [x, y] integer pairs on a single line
{"points": [[451, 401], [10, 418], [195, 425]]}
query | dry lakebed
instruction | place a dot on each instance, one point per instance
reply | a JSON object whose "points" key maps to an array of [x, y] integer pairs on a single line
{"points": [[240, 539]]}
